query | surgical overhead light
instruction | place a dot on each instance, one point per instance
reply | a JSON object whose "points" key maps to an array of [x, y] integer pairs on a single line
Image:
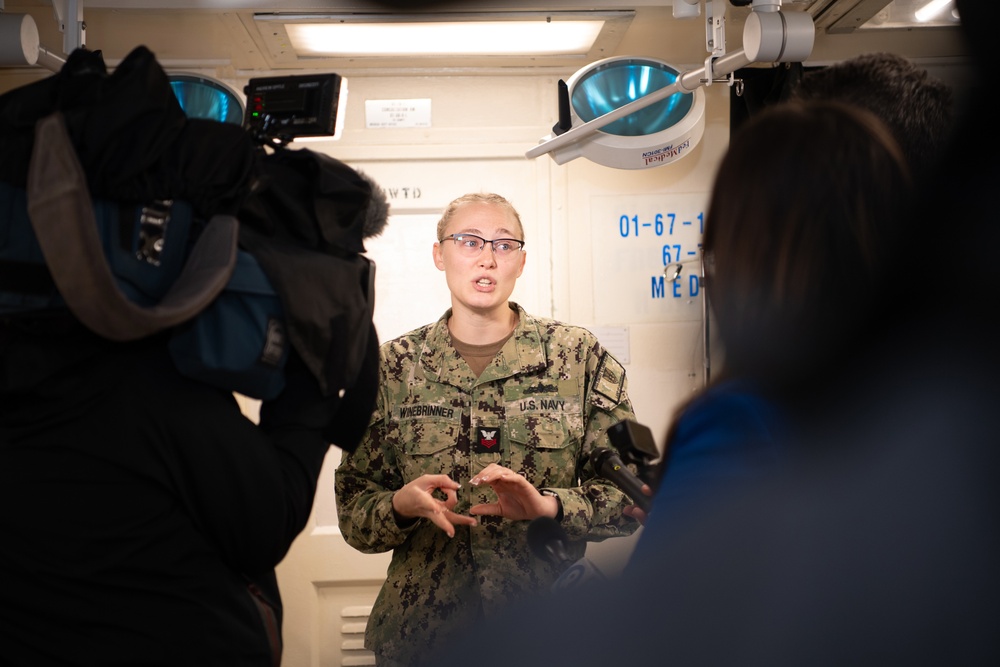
{"points": [[202, 97], [656, 134], [636, 113]]}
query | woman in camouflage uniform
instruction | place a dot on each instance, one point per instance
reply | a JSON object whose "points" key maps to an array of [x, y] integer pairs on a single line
{"points": [[484, 421]]}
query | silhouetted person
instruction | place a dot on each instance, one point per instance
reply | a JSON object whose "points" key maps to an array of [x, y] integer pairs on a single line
{"points": [[878, 544]]}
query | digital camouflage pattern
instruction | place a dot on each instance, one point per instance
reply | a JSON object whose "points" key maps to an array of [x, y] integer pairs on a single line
{"points": [[539, 409]]}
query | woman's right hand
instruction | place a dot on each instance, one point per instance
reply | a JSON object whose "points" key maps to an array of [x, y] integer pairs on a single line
{"points": [[416, 500]]}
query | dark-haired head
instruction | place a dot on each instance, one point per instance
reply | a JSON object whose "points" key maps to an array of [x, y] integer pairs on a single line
{"points": [[804, 218], [917, 108]]}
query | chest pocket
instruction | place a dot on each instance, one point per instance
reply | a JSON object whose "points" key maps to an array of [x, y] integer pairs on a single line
{"points": [[544, 430], [427, 443], [545, 447]]}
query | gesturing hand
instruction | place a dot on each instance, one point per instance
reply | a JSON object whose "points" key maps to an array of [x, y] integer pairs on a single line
{"points": [[637, 512], [517, 499], [416, 500]]}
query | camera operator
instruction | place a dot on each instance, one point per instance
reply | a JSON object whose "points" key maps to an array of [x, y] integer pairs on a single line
{"points": [[142, 513]]}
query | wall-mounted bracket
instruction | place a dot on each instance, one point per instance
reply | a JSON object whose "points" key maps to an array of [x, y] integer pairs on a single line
{"points": [[69, 14]]}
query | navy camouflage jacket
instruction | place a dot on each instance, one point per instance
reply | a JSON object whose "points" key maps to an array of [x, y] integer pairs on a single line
{"points": [[539, 409]]}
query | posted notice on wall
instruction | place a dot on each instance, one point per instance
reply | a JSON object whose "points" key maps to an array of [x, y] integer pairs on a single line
{"points": [[397, 113]]}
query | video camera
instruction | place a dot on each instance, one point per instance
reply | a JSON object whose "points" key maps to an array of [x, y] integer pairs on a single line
{"points": [[282, 108]]}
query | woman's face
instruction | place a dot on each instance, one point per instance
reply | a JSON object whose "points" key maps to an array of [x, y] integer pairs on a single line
{"points": [[483, 282]]}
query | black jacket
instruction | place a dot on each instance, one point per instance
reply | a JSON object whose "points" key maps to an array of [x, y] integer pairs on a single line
{"points": [[136, 506]]}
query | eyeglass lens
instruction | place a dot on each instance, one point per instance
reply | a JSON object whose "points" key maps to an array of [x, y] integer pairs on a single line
{"points": [[470, 244]]}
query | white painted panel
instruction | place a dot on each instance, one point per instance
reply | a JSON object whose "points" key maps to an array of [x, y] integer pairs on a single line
{"points": [[635, 238], [569, 275], [409, 289]]}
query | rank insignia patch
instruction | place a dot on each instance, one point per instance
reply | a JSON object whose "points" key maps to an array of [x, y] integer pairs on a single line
{"points": [[487, 440]]}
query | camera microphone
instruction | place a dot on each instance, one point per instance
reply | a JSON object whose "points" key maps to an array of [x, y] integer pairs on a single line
{"points": [[547, 540], [376, 214], [609, 465]]}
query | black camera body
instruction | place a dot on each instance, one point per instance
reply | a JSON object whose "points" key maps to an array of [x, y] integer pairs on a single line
{"points": [[284, 107]]}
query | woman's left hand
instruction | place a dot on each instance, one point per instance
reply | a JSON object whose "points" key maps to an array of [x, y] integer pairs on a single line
{"points": [[517, 499]]}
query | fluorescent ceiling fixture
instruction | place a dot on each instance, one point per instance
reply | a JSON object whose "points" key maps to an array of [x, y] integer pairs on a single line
{"points": [[435, 38], [909, 14], [931, 10]]}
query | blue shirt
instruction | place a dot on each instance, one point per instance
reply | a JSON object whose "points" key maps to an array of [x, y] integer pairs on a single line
{"points": [[728, 435]]}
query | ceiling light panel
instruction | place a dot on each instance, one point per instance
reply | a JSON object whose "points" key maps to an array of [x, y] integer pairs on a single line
{"points": [[440, 38], [493, 38], [909, 14], [841, 16]]}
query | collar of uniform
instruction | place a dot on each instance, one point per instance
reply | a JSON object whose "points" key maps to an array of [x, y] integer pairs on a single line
{"points": [[524, 352], [438, 359]]}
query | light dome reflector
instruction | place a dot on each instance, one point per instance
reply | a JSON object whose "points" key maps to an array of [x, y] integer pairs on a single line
{"points": [[654, 135], [612, 85], [201, 97]]}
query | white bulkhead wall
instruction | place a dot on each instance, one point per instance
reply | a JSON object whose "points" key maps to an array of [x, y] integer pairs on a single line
{"points": [[586, 264], [597, 239]]}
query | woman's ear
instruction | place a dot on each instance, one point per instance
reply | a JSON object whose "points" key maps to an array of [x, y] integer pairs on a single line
{"points": [[438, 259]]}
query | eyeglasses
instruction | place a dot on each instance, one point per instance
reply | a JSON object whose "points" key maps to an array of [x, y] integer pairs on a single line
{"points": [[471, 245]]}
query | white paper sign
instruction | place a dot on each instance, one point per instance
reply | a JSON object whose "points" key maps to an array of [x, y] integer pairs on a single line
{"points": [[397, 113]]}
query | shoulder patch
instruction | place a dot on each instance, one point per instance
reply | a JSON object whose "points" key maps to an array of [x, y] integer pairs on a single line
{"points": [[609, 380]]}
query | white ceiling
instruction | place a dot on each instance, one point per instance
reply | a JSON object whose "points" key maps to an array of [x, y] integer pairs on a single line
{"points": [[223, 35]]}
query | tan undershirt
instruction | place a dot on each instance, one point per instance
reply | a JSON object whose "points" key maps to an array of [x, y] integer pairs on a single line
{"points": [[479, 356]]}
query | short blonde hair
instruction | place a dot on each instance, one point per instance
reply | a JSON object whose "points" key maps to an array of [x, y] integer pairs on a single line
{"points": [[478, 198]]}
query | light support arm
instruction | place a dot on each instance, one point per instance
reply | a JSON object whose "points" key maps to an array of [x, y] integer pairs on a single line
{"points": [[69, 14], [683, 9], [49, 60], [18, 39], [715, 27]]}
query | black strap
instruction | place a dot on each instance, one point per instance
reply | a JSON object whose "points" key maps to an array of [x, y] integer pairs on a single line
{"points": [[62, 215]]}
